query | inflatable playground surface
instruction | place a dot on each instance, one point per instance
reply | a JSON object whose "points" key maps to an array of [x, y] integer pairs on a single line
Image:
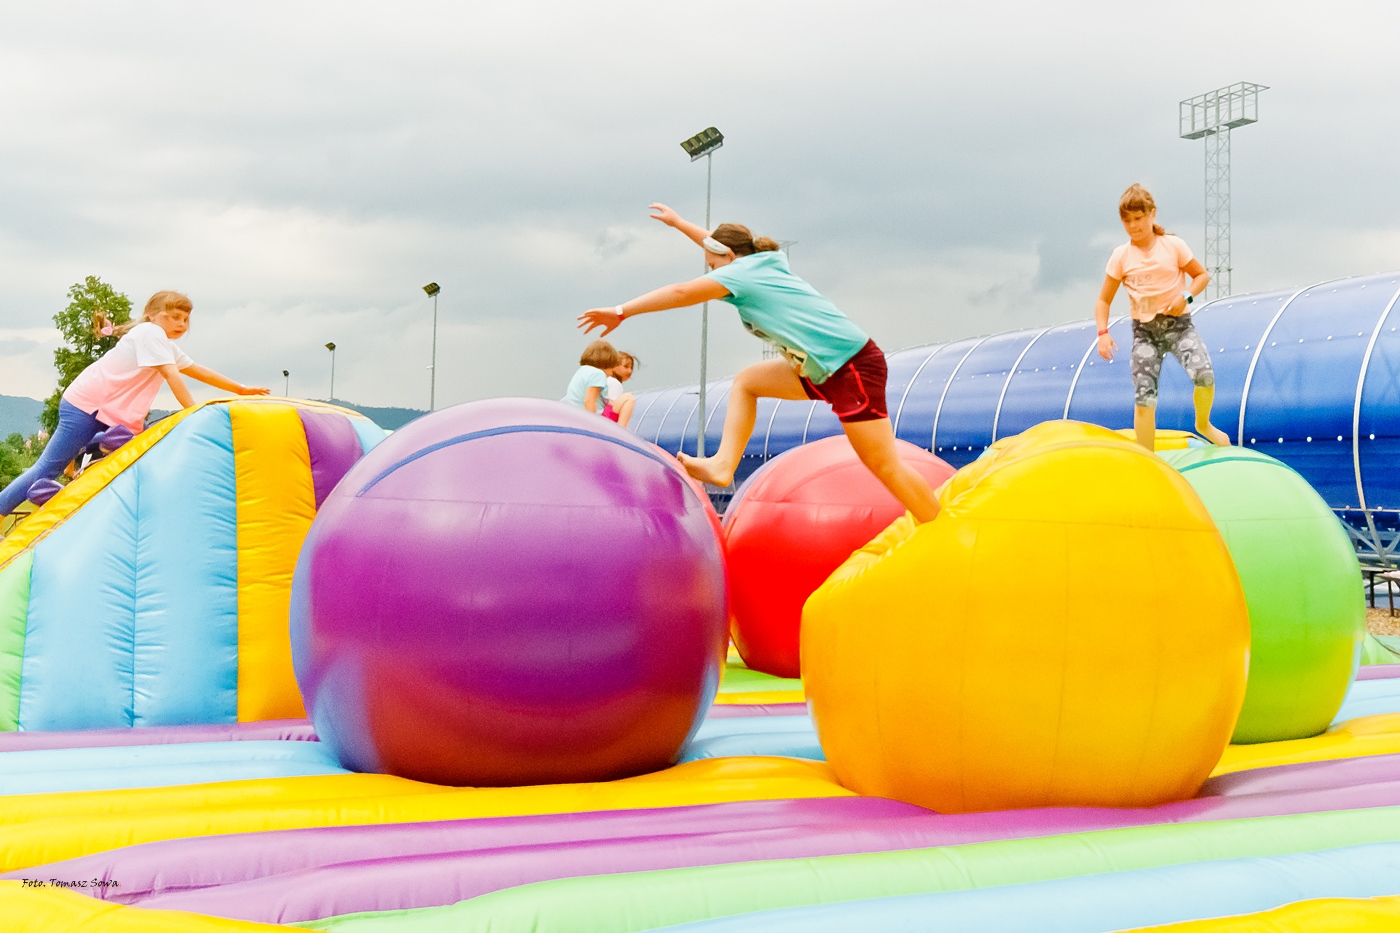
{"points": [[506, 669]]}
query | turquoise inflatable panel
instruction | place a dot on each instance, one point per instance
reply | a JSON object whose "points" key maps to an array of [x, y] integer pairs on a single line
{"points": [[792, 736], [370, 434], [1370, 698], [1097, 903], [107, 647], [75, 769], [186, 648], [77, 671]]}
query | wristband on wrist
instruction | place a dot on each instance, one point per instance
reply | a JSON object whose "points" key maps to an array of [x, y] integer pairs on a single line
{"points": [[1104, 331], [620, 313], [1190, 298]]}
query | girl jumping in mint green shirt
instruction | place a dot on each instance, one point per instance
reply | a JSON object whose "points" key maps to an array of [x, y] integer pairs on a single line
{"points": [[825, 356]]}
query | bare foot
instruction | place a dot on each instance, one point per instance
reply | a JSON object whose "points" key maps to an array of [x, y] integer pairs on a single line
{"points": [[1216, 436], [706, 470]]}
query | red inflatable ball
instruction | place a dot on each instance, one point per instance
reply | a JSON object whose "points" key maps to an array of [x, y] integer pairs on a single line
{"points": [[790, 525]]}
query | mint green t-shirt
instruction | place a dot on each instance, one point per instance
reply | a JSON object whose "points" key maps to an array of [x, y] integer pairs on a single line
{"points": [[784, 310], [587, 377]]}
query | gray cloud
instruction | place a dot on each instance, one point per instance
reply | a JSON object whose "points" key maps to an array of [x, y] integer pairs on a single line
{"points": [[302, 169]]}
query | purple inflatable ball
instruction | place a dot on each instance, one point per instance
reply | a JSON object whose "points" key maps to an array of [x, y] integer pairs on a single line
{"points": [[510, 592]]}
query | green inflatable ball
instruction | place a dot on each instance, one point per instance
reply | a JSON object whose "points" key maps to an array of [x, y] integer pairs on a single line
{"points": [[1307, 609]]}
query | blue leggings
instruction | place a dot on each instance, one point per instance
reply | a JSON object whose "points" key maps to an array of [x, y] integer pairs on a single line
{"points": [[76, 429]]}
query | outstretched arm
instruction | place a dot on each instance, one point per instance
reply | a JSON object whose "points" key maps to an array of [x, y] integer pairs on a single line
{"points": [[670, 218], [177, 385], [219, 381], [680, 295]]}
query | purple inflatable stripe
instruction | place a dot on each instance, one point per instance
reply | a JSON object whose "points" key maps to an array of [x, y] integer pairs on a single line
{"points": [[296, 875], [1305, 776], [741, 710], [1378, 672], [291, 730], [334, 447]]}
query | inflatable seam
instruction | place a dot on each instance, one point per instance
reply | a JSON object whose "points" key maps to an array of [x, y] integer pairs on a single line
{"points": [[507, 429]]}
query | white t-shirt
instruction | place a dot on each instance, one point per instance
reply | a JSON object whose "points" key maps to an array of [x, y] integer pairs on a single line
{"points": [[614, 390], [120, 387], [1155, 277]]}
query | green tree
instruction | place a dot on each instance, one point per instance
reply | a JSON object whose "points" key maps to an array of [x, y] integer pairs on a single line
{"points": [[86, 301], [16, 456]]}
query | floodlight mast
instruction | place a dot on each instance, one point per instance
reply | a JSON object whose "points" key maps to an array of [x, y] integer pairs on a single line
{"points": [[331, 347], [432, 289], [704, 143], [1211, 116]]}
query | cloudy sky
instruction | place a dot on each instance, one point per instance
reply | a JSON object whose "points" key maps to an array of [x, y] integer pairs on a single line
{"points": [[302, 169]]}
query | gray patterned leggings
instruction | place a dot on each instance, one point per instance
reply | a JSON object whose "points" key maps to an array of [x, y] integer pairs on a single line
{"points": [[1154, 339]]}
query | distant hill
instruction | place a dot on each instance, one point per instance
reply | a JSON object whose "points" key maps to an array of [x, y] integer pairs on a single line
{"points": [[390, 419], [19, 415]]}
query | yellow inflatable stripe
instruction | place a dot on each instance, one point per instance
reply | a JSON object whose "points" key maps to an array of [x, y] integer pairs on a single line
{"points": [[51, 908], [64, 826], [1355, 738], [278, 792], [79, 492], [760, 696], [276, 504], [1324, 915]]}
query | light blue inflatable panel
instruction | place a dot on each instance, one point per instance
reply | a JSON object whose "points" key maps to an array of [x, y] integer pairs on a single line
{"points": [[75, 769], [370, 434], [186, 667], [792, 736], [1370, 698], [77, 670], [1098, 903], [133, 614]]}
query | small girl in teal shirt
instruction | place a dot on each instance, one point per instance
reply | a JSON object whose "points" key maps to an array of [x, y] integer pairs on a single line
{"points": [[825, 356], [588, 388]]}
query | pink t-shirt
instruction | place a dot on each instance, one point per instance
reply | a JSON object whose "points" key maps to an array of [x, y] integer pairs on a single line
{"points": [[120, 387], [1154, 277]]}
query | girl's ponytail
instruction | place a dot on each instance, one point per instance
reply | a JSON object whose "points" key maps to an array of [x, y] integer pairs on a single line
{"points": [[742, 241]]}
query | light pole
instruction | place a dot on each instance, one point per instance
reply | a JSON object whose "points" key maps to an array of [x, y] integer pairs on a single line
{"points": [[1211, 116], [704, 143], [331, 347], [286, 384], [432, 289]]}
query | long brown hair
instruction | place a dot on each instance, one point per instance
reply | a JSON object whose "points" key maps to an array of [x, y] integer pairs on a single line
{"points": [[160, 301], [742, 241], [1138, 200]]}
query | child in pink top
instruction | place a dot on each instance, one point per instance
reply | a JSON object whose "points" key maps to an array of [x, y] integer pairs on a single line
{"points": [[1153, 266], [118, 389]]}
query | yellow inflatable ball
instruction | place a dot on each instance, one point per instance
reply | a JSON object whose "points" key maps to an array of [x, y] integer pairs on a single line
{"points": [[1069, 631]]}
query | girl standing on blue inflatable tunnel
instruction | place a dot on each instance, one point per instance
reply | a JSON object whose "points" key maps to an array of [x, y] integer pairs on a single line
{"points": [[825, 356], [1153, 265], [118, 389]]}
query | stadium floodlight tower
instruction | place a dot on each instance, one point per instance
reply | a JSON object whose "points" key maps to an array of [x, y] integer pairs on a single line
{"points": [[1211, 116], [703, 144]]}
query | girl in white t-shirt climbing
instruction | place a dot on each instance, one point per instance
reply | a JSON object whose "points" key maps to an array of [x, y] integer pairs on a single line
{"points": [[1153, 266], [118, 389]]}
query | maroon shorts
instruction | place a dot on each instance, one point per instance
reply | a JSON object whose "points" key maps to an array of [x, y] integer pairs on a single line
{"points": [[856, 391]]}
